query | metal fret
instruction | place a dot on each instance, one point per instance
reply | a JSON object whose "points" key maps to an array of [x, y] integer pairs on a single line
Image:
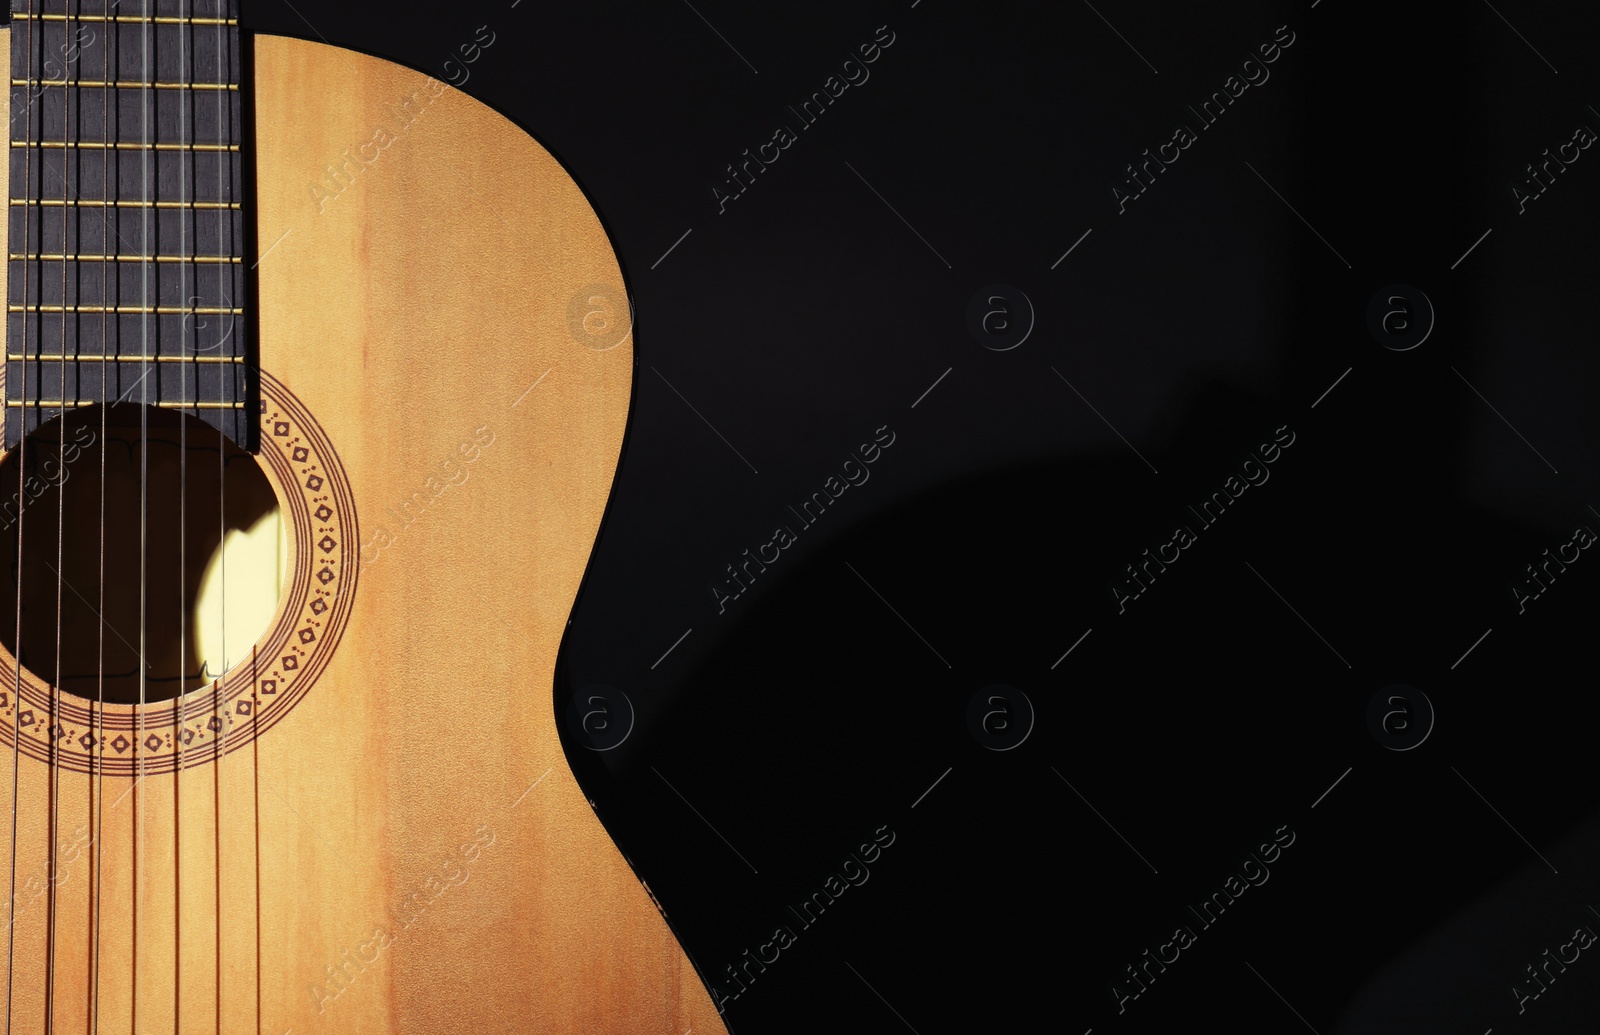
{"points": [[201, 259], [123, 84], [124, 19], [124, 359], [118, 203], [133, 309], [118, 146], [57, 404]]}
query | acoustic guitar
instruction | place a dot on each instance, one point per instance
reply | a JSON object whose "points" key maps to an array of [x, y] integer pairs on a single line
{"points": [[316, 380]]}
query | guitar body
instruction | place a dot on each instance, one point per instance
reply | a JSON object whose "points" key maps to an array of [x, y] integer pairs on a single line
{"points": [[387, 838]]}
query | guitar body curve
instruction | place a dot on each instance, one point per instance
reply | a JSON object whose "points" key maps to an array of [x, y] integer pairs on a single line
{"points": [[403, 848]]}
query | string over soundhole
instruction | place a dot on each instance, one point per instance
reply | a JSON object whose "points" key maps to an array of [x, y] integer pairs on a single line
{"points": [[171, 548]]}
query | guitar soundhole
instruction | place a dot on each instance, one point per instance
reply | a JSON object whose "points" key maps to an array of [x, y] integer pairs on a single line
{"points": [[141, 531]]}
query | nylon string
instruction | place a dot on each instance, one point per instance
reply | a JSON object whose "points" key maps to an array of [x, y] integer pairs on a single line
{"points": [[30, 74], [54, 777], [108, 249]]}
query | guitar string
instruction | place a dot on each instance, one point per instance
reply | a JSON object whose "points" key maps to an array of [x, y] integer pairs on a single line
{"points": [[21, 496], [109, 247], [30, 74], [219, 681], [183, 159], [56, 730], [140, 749]]}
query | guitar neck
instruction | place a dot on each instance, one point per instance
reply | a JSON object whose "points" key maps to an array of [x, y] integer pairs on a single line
{"points": [[128, 224]]}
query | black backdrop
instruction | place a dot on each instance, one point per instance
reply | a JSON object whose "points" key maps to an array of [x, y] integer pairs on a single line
{"points": [[972, 162]]}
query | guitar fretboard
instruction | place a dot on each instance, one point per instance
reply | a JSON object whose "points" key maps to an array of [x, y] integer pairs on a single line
{"points": [[126, 230]]}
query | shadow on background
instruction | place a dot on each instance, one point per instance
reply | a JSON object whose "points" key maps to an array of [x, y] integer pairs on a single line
{"points": [[1203, 719], [1180, 736]]}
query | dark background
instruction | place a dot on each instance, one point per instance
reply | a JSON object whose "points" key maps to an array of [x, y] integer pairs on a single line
{"points": [[829, 698]]}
